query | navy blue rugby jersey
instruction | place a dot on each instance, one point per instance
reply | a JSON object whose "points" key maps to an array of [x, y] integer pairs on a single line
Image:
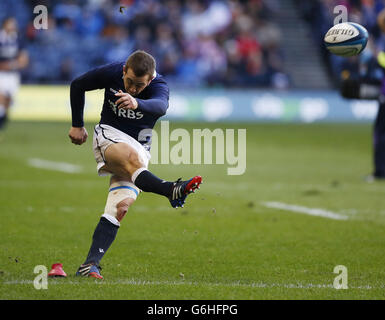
{"points": [[10, 46], [152, 101]]}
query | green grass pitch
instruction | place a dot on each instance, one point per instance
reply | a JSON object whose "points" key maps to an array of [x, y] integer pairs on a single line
{"points": [[225, 243]]}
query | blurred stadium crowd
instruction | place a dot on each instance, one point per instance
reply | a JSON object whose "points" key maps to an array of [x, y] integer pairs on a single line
{"points": [[319, 14], [196, 42], [220, 43]]}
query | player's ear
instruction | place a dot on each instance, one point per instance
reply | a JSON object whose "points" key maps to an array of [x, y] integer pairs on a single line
{"points": [[124, 70], [150, 79]]}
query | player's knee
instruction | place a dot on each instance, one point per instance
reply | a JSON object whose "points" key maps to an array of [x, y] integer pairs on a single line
{"points": [[135, 162]]}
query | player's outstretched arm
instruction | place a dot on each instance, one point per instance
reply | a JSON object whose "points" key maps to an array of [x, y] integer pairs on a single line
{"points": [[92, 80]]}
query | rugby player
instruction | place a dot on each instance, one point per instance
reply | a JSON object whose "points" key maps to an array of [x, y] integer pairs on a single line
{"points": [[135, 98], [370, 86], [12, 59]]}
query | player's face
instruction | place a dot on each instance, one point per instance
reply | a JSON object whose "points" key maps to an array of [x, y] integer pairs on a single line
{"points": [[133, 84], [10, 25]]}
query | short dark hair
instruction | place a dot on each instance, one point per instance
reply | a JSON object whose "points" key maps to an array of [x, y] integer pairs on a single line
{"points": [[141, 63]]}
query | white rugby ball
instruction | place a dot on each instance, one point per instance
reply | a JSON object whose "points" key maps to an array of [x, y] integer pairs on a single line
{"points": [[346, 39]]}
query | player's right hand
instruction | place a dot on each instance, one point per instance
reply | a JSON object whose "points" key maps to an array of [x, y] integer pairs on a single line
{"points": [[78, 135]]}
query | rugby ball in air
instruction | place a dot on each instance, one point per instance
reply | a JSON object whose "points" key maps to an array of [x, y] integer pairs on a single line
{"points": [[346, 39]]}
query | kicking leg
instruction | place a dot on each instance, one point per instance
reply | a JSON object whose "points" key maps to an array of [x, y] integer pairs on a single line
{"points": [[121, 196], [124, 161]]}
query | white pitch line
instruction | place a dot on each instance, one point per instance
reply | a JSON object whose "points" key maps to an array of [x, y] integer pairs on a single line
{"points": [[138, 282], [53, 165], [305, 210]]}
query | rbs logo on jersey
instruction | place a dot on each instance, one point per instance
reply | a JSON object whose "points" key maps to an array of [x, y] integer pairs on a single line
{"points": [[129, 114]]}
